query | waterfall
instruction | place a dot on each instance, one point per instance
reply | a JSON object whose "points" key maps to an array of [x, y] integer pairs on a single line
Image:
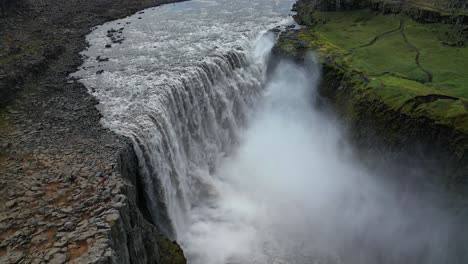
{"points": [[204, 111], [240, 168], [181, 90]]}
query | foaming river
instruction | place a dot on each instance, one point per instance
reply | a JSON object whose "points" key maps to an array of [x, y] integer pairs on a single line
{"points": [[238, 166]]}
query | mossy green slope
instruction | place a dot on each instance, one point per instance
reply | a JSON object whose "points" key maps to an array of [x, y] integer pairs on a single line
{"points": [[405, 64], [170, 251]]}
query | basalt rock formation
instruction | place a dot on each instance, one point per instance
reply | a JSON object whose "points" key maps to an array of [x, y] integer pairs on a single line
{"points": [[53, 208]]}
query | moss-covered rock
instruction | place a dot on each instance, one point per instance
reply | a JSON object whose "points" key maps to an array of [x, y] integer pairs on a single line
{"points": [[170, 251], [383, 92]]}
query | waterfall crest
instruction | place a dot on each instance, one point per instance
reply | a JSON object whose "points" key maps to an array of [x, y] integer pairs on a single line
{"points": [[238, 168], [181, 89], [205, 111]]}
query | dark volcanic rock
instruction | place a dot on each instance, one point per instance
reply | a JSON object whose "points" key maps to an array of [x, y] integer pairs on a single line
{"points": [[35, 34], [52, 144], [443, 12]]}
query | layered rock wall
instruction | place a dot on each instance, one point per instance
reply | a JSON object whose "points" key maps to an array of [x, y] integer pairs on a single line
{"points": [[133, 238]]}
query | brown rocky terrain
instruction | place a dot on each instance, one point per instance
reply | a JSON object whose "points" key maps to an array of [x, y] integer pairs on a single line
{"points": [[50, 131]]}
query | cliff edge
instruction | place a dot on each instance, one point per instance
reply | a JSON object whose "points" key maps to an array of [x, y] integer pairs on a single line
{"points": [[396, 72], [53, 208]]}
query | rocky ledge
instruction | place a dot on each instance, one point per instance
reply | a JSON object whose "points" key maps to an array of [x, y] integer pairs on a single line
{"points": [[52, 207]]}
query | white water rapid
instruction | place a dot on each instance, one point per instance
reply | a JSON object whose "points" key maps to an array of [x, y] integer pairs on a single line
{"points": [[237, 167]]}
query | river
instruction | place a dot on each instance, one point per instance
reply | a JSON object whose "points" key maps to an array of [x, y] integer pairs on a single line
{"points": [[238, 166]]}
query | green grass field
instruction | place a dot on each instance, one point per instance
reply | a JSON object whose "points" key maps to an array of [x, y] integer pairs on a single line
{"points": [[352, 29], [384, 48], [449, 65]]}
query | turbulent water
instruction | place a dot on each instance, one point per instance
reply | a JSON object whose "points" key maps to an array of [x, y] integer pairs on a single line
{"points": [[238, 167]]}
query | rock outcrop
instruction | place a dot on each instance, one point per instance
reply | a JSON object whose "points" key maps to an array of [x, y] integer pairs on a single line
{"points": [[375, 126], [53, 208], [443, 13]]}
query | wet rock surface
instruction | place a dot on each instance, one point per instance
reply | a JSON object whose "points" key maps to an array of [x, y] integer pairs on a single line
{"points": [[52, 207]]}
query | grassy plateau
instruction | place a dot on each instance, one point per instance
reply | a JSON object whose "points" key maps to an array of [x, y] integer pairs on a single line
{"points": [[407, 65]]}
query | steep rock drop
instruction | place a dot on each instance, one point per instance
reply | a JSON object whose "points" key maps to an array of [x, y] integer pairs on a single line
{"points": [[181, 90], [238, 166]]}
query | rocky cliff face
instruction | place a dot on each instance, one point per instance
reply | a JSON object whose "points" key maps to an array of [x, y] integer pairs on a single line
{"points": [[52, 208], [133, 238], [379, 130], [48, 218]]}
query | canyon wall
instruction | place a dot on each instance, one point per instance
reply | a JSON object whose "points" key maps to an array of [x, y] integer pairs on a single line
{"points": [[379, 128]]}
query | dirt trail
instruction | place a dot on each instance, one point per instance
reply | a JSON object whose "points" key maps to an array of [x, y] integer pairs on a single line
{"points": [[418, 54], [382, 35], [401, 29]]}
